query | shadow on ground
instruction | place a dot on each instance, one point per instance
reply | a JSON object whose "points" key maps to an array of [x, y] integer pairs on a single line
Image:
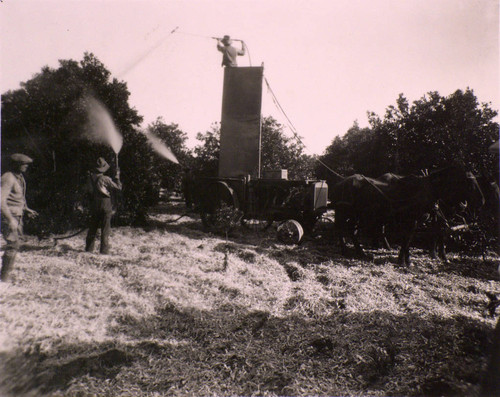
{"points": [[31, 371], [236, 352]]}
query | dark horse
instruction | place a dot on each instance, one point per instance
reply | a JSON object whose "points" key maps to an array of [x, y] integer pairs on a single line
{"points": [[361, 206], [363, 203]]}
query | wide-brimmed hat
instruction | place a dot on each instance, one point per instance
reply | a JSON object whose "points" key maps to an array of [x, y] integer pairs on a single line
{"points": [[102, 165], [227, 39], [21, 158]]}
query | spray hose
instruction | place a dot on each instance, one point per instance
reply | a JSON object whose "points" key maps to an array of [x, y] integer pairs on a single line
{"points": [[180, 217], [57, 238], [69, 236]]}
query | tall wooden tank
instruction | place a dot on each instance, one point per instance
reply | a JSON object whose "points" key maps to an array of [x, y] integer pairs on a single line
{"points": [[241, 122]]}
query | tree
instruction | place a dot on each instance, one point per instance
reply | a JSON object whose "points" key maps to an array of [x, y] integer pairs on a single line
{"points": [[47, 117], [433, 132], [277, 151], [282, 152], [353, 153], [206, 159], [439, 131]]}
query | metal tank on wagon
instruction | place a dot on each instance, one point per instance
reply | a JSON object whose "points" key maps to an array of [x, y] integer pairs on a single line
{"points": [[261, 196]]}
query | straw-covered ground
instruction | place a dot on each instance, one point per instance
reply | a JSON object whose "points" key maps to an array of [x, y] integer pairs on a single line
{"points": [[179, 312]]}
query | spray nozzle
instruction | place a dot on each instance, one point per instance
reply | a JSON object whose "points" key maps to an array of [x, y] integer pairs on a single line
{"points": [[220, 38]]}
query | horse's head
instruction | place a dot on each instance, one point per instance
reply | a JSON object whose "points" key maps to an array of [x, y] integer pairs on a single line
{"points": [[332, 178], [454, 185]]}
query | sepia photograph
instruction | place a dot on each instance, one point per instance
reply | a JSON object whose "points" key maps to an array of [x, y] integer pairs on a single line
{"points": [[250, 198]]}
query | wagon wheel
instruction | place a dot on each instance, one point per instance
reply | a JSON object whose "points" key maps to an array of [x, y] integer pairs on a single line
{"points": [[324, 225], [219, 206], [257, 224], [290, 232]]}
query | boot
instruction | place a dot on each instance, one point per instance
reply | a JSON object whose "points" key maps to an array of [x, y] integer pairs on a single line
{"points": [[90, 242], [7, 266], [89, 247]]}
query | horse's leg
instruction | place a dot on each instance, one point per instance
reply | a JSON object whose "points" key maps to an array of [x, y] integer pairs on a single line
{"points": [[438, 229], [343, 246], [357, 245], [438, 236], [377, 236], [343, 230], [340, 229], [441, 247], [343, 226], [404, 252], [402, 255], [404, 246], [433, 249]]}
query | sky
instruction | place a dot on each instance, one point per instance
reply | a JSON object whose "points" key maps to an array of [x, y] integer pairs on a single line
{"points": [[328, 62]]}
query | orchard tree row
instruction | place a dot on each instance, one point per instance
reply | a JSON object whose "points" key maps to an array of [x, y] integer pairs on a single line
{"points": [[431, 133], [47, 119]]}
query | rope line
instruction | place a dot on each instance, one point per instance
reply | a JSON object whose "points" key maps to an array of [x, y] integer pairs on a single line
{"points": [[248, 52], [273, 96], [294, 130]]}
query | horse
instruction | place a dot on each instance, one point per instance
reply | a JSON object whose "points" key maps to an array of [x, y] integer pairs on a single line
{"points": [[361, 204], [400, 202]]}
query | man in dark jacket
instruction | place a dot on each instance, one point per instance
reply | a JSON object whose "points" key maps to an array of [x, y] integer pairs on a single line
{"points": [[229, 53], [13, 208], [101, 188]]}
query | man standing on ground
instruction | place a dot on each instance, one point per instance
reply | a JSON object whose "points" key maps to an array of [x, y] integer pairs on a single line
{"points": [[13, 207], [229, 53], [101, 187]]}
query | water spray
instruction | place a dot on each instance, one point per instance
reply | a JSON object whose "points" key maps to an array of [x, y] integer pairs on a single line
{"points": [[160, 148], [100, 127], [147, 53], [200, 35]]}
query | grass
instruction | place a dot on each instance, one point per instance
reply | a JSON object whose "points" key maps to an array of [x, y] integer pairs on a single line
{"points": [[175, 311]]}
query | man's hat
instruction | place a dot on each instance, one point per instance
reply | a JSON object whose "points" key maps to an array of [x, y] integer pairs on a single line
{"points": [[21, 158], [102, 165], [226, 39]]}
